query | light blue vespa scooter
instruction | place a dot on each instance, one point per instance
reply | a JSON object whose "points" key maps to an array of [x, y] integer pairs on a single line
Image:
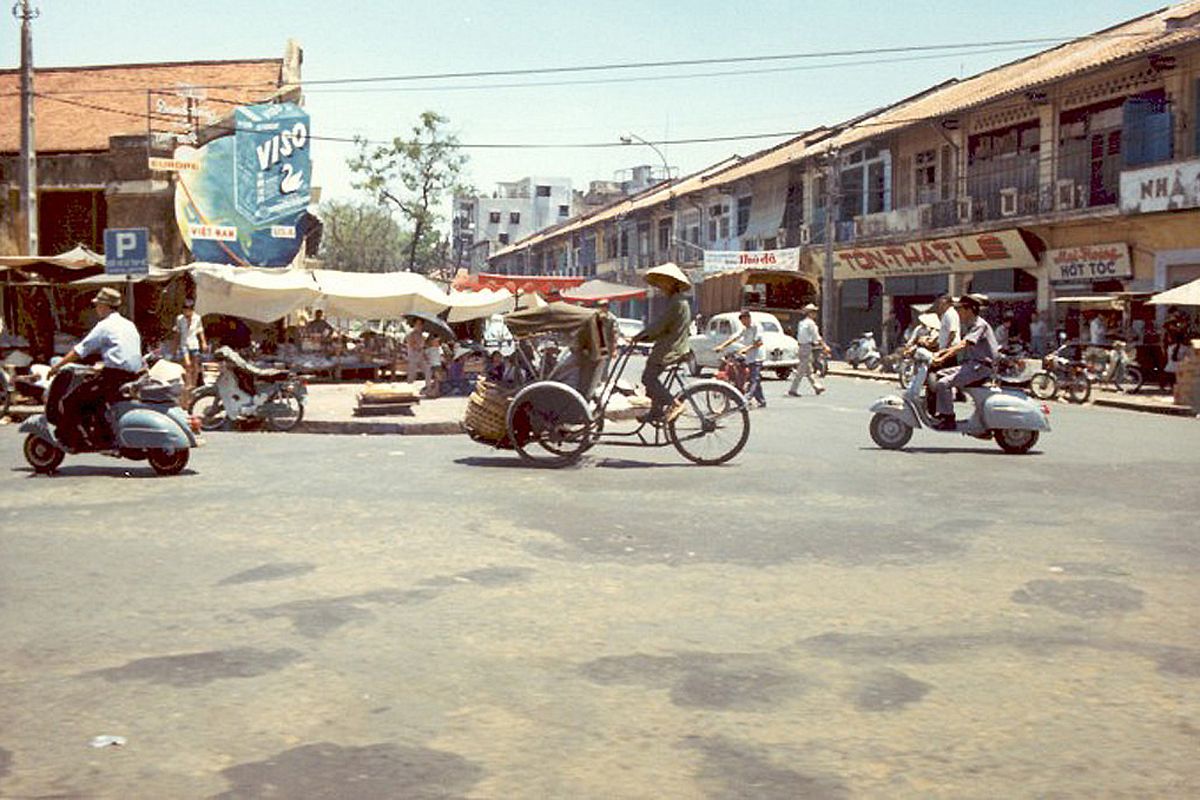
{"points": [[1006, 415], [147, 424]]}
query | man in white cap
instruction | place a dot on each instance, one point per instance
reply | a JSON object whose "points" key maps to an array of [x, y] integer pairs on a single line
{"points": [[117, 341], [809, 337], [669, 332]]}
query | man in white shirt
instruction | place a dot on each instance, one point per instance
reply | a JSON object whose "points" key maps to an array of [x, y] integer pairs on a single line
{"points": [[119, 346], [809, 337], [750, 338], [1097, 330], [1039, 334], [949, 326]]}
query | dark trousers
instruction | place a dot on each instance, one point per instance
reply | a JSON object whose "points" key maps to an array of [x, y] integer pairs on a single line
{"points": [[660, 398], [83, 409]]}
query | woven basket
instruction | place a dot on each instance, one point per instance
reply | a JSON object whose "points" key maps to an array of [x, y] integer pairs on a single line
{"points": [[487, 412]]}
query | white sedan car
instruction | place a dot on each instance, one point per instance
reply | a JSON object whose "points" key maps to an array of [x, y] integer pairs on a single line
{"points": [[782, 351]]}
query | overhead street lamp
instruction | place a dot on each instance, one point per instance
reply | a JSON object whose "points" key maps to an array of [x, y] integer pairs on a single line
{"points": [[632, 137]]}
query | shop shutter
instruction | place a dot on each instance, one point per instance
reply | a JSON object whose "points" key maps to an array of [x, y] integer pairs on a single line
{"points": [[1147, 131]]}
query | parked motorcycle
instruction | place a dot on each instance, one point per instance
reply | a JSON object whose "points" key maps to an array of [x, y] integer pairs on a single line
{"points": [[734, 371], [1061, 373], [864, 351], [1119, 368], [246, 393], [1006, 415], [146, 424], [1010, 365]]}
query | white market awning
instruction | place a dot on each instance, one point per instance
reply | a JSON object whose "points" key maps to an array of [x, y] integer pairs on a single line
{"points": [[256, 293], [377, 295], [466, 306], [1186, 295], [78, 257], [156, 275]]}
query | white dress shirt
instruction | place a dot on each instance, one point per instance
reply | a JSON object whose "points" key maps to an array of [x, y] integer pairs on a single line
{"points": [[950, 330], [117, 341]]}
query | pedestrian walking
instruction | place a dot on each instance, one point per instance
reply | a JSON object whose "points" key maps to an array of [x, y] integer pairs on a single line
{"points": [[189, 332], [809, 337], [414, 344], [750, 338], [1039, 335]]}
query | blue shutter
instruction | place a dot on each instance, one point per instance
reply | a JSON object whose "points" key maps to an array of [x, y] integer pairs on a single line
{"points": [[1147, 134]]}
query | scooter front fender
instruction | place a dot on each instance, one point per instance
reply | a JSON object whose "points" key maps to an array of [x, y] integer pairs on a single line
{"points": [[140, 427], [39, 426], [893, 405]]}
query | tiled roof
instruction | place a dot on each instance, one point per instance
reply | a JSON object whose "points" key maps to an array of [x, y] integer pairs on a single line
{"points": [[1159, 31], [1156, 32], [83, 106]]}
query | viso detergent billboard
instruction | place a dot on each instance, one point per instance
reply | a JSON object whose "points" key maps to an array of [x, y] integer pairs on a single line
{"points": [[242, 199]]}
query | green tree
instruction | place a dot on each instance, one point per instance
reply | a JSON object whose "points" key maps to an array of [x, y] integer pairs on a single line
{"points": [[361, 237], [413, 175]]}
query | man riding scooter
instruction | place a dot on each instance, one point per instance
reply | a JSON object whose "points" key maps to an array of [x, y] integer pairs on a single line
{"points": [[977, 350], [119, 345]]}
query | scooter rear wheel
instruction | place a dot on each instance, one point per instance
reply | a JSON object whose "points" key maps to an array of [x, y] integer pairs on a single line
{"points": [[41, 455], [168, 462], [285, 412], [889, 432], [1016, 441]]}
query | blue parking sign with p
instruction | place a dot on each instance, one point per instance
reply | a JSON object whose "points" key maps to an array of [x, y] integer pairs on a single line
{"points": [[126, 251]]}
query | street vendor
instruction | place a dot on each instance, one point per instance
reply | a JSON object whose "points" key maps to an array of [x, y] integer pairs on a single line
{"points": [[669, 332]]}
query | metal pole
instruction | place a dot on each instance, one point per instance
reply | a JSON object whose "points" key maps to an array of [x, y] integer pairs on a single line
{"points": [[23, 11], [829, 315], [129, 291]]}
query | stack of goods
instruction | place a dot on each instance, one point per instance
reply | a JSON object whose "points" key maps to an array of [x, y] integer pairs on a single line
{"points": [[381, 399]]}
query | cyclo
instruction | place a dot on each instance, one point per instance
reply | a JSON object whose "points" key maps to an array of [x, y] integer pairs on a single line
{"points": [[556, 411]]}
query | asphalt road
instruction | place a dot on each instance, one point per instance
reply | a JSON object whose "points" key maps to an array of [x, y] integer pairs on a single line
{"points": [[412, 617]]}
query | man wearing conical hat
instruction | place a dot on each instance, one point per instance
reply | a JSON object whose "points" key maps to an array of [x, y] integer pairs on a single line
{"points": [[669, 332]]}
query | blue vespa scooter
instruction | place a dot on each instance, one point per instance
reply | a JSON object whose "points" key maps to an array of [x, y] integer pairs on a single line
{"points": [[1006, 415], [146, 424]]}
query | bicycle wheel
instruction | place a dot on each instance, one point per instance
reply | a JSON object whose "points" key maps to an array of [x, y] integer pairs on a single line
{"points": [[1079, 387], [1128, 380], [703, 436], [1044, 386]]}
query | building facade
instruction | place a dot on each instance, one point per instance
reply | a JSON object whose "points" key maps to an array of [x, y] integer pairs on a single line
{"points": [[96, 129], [483, 224], [1073, 171]]}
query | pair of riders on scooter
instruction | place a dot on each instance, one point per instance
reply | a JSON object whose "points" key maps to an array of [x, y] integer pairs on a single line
{"points": [[117, 341], [977, 351]]}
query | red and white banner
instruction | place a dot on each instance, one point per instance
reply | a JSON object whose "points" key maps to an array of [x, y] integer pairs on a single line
{"points": [[974, 253], [786, 260], [1086, 263]]}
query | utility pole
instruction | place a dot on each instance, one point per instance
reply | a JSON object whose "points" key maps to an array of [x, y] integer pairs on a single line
{"points": [[829, 315], [25, 12]]}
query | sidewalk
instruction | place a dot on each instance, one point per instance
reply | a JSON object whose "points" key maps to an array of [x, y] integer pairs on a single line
{"points": [[330, 409], [1149, 402]]}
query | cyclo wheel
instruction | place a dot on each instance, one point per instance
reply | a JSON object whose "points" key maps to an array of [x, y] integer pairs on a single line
{"points": [[549, 425], [704, 436]]}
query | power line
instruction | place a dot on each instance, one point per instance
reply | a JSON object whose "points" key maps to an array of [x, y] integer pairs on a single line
{"points": [[649, 78], [692, 62]]}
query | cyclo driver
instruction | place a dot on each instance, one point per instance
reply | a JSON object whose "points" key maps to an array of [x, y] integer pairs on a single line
{"points": [[979, 350], [669, 332], [119, 345]]}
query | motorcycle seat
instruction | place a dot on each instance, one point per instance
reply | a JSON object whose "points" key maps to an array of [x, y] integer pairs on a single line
{"points": [[271, 375], [978, 382]]}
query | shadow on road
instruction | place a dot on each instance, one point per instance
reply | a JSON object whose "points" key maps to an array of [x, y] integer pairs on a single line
{"points": [[628, 463], [493, 461], [982, 451], [105, 472]]}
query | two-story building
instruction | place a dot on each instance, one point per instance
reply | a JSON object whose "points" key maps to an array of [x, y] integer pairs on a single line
{"points": [[1071, 171]]}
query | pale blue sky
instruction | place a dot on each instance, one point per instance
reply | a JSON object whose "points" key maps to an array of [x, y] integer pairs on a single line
{"points": [[356, 39]]}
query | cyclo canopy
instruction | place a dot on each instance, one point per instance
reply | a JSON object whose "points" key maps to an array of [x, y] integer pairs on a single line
{"points": [[581, 324]]}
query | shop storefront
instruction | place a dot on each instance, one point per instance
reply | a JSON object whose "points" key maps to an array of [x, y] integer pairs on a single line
{"points": [[877, 282]]}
